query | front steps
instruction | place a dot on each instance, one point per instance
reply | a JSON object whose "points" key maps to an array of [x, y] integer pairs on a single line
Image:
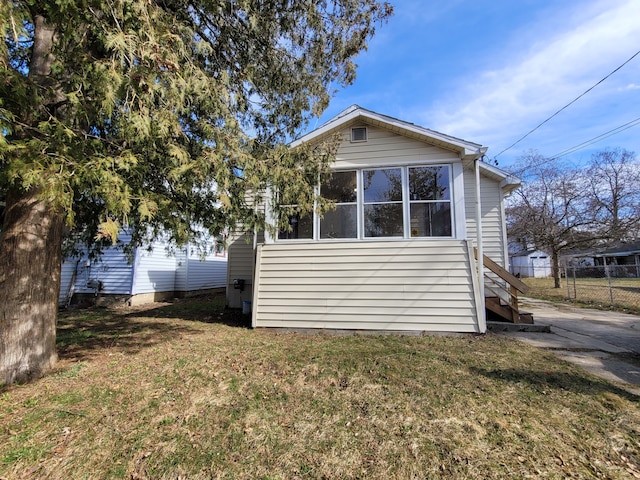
{"points": [[499, 311]]}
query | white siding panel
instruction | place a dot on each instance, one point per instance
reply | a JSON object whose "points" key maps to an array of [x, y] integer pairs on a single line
{"points": [[409, 285], [493, 240], [368, 323], [182, 270], [69, 266], [387, 148], [112, 268], [240, 266], [208, 272], [155, 269]]}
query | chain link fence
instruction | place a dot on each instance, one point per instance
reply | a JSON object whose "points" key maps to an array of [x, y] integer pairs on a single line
{"points": [[614, 285]]}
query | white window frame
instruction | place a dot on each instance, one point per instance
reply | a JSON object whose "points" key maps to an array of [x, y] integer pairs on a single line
{"points": [[354, 140], [318, 221], [402, 202], [410, 202], [456, 203]]}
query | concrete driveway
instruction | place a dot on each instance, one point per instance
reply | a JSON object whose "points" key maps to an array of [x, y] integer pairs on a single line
{"points": [[606, 344]]}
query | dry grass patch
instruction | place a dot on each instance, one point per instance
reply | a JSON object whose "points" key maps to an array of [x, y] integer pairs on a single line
{"points": [[182, 390], [590, 292]]}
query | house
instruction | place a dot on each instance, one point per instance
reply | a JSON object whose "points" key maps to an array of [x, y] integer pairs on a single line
{"points": [[530, 263], [149, 274], [397, 253], [622, 260]]}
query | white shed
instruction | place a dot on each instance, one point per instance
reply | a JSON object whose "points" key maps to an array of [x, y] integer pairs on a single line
{"points": [[530, 263], [397, 253]]}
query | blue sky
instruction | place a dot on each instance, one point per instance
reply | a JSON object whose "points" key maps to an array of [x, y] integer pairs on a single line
{"points": [[489, 71]]}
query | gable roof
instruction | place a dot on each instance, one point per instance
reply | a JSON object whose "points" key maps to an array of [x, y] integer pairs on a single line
{"points": [[468, 151], [526, 252]]}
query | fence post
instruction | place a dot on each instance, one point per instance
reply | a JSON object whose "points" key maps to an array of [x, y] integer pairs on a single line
{"points": [[575, 291], [608, 272], [566, 276]]}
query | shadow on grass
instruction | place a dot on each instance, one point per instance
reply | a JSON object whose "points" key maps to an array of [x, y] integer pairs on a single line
{"points": [[548, 380], [83, 333], [205, 312]]}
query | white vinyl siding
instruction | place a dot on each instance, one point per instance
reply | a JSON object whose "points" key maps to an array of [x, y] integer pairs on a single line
{"points": [[241, 264], [155, 270], [186, 271], [385, 148], [382, 285], [205, 273], [388, 151], [493, 241], [182, 269], [68, 275], [152, 271]]}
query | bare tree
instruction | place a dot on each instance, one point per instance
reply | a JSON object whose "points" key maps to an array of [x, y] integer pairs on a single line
{"points": [[614, 178], [551, 211], [560, 208]]}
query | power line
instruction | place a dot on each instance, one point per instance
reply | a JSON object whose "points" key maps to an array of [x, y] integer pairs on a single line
{"points": [[602, 136], [586, 143], [566, 106]]}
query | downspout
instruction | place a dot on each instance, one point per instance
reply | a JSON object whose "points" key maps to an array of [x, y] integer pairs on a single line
{"points": [[482, 320], [255, 277]]}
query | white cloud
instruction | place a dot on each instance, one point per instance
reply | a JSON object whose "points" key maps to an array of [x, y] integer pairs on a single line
{"points": [[517, 92]]}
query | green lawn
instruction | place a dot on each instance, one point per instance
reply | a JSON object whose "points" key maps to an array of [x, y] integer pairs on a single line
{"points": [[184, 391]]}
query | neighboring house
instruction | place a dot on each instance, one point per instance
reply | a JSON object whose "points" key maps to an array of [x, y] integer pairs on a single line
{"points": [[530, 263], [150, 274], [397, 253], [620, 261]]}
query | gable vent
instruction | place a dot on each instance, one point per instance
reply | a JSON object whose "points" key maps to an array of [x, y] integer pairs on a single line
{"points": [[359, 134]]}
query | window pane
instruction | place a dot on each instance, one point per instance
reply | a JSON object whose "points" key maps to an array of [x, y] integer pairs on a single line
{"points": [[430, 219], [429, 183], [383, 220], [382, 185], [340, 223], [301, 227], [341, 187]]}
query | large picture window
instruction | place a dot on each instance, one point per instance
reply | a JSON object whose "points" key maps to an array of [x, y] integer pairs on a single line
{"points": [[393, 202]]}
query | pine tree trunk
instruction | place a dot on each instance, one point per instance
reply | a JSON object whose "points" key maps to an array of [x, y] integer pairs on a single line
{"points": [[30, 261]]}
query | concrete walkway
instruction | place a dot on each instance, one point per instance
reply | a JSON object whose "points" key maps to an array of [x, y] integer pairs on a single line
{"points": [[606, 344]]}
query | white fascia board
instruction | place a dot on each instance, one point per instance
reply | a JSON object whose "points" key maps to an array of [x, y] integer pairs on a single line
{"points": [[333, 124], [508, 182]]}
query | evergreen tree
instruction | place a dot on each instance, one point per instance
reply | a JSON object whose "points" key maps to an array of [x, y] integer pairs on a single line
{"points": [[159, 113]]}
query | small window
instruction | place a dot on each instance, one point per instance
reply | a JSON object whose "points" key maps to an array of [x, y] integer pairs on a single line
{"points": [[359, 134]]}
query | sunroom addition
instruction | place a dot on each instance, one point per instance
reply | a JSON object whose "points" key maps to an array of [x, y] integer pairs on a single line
{"points": [[410, 201]]}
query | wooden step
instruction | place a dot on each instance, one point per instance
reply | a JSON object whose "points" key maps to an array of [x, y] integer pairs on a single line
{"points": [[503, 312]]}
